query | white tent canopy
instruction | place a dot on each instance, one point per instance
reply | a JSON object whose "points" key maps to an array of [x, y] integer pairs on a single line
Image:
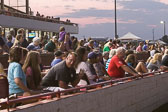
{"points": [[129, 36], [157, 41]]}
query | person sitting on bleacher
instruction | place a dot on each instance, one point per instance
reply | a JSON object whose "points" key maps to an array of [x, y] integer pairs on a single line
{"points": [[58, 58], [118, 67], [62, 74], [82, 64], [100, 69], [138, 66], [111, 54], [32, 70], [51, 46], [92, 59], [34, 45], [16, 76]]}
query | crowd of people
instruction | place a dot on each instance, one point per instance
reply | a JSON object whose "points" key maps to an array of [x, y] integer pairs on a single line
{"points": [[77, 63]]}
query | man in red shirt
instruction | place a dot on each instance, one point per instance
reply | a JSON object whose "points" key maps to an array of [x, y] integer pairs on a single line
{"points": [[118, 67]]}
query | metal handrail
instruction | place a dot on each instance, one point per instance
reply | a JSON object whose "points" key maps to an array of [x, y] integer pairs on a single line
{"points": [[58, 93]]}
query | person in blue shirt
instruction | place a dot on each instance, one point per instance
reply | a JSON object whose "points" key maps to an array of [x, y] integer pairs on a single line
{"points": [[58, 58], [145, 47], [16, 76]]}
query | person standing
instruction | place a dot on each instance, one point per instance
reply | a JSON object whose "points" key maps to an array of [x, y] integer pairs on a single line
{"points": [[139, 48]]}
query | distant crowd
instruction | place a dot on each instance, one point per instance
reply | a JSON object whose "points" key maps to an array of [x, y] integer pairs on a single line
{"points": [[77, 63], [38, 16]]}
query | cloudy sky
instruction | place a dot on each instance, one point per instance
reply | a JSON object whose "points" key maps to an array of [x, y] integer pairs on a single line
{"points": [[96, 17]]}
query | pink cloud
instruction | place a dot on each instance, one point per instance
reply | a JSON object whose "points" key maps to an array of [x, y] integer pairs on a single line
{"points": [[58, 7], [163, 1]]}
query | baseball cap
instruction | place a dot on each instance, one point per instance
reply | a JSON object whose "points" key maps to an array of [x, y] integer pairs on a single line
{"points": [[92, 55], [58, 53]]}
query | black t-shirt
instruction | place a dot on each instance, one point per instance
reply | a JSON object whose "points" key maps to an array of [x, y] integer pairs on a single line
{"points": [[59, 72], [2, 43], [165, 61]]}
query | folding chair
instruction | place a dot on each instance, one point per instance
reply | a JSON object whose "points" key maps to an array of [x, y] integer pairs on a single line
{"points": [[4, 87]]}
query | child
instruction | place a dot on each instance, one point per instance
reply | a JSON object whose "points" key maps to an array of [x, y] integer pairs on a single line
{"points": [[62, 34]]}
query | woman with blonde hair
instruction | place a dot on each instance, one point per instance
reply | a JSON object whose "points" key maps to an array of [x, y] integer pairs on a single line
{"points": [[165, 53], [155, 62], [32, 70], [18, 40]]}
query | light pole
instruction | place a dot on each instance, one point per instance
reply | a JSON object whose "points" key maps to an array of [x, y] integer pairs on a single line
{"points": [[153, 32], [2, 4], [115, 12], [164, 27], [27, 7]]}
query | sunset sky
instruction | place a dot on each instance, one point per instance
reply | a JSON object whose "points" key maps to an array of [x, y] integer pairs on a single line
{"points": [[96, 17]]}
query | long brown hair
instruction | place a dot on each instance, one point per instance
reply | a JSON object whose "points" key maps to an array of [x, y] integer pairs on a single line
{"points": [[33, 62], [15, 54], [131, 59], [80, 52]]}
